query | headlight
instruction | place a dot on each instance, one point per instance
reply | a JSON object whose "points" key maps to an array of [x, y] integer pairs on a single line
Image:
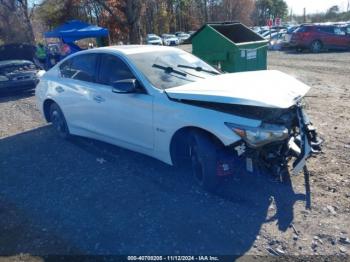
{"points": [[259, 136], [40, 73], [3, 78]]}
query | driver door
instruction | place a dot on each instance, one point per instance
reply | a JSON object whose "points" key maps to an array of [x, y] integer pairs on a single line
{"points": [[124, 118]]}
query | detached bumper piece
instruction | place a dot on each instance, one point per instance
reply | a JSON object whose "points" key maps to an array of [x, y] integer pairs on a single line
{"points": [[308, 140]]}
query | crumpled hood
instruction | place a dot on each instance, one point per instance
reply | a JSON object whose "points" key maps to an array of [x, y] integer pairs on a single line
{"points": [[268, 88]]}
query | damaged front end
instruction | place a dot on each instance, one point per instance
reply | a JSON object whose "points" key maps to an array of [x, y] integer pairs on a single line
{"points": [[285, 136]]}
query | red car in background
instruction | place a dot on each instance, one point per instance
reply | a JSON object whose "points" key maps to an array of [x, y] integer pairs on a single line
{"points": [[320, 37]]}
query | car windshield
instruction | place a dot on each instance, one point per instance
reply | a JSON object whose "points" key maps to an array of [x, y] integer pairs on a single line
{"points": [[166, 69], [153, 38], [292, 29]]}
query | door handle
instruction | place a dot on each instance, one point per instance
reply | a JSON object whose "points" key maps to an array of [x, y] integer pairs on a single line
{"points": [[98, 99]]}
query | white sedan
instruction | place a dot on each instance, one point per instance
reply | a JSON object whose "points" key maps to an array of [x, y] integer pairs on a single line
{"points": [[169, 104], [170, 40], [152, 39]]}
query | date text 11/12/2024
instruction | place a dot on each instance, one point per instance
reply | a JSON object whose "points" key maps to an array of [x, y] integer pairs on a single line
{"points": [[173, 258]]}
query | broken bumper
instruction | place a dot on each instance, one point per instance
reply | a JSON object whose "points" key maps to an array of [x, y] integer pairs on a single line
{"points": [[274, 158]]}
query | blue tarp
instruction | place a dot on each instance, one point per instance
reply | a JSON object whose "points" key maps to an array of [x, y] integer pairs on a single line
{"points": [[75, 30]]}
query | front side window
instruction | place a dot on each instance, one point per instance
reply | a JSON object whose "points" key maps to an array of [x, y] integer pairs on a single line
{"points": [[65, 69], [81, 67], [113, 69], [153, 38]]}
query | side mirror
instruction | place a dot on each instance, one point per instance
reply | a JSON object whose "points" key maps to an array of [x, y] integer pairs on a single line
{"points": [[124, 86]]}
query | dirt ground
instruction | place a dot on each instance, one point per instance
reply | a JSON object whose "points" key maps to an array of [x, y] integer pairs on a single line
{"points": [[328, 105], [59, 197]]}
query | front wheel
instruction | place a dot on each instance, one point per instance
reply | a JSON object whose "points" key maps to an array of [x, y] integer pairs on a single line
{"points": [[58, 121], [203, 155]]}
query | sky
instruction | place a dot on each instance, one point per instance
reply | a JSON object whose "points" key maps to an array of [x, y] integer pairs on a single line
{"points": [[314, 6]]}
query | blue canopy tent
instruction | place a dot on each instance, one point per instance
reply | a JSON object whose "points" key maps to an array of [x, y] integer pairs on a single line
{"points": [[70, 32], [75, 30]]}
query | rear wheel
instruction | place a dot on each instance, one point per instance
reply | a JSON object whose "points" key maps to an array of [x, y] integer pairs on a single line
{"points": [[58, 121], [203, 155], [316, 46]]}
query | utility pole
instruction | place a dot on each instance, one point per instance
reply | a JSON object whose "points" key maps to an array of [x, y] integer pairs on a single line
{"points": [[304, 17]]}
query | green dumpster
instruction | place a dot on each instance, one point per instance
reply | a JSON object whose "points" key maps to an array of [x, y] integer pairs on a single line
{"points": [[233, 47]]}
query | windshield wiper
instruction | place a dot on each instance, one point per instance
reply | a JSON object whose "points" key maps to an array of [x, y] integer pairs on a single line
{"points": [[199, 69], [169, 70]]}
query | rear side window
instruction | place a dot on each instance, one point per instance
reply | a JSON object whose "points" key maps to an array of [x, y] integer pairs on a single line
{"points": [[113, 69], [326, 29], [81, 67]]}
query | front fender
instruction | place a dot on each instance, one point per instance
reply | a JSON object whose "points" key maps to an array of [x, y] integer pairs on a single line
{"points": [[171, 116]]}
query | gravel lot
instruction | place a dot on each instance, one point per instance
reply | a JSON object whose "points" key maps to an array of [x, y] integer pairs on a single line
{"points": [[87, 197]]}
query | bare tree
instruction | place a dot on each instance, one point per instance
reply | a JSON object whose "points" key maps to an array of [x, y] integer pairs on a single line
{"points": [[25, 11], [16, 15], [131, 15]]}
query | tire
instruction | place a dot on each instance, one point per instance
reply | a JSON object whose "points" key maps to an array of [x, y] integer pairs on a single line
{"points": [[203, 156], [316, 46], [58, 121]]}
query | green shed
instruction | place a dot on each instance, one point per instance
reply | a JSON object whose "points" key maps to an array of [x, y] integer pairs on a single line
{"points": [[233, 47]]}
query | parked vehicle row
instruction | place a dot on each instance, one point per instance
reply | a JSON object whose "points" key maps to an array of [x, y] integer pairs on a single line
{"points": [[321, 37], [313, 37], [169, 39]]}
